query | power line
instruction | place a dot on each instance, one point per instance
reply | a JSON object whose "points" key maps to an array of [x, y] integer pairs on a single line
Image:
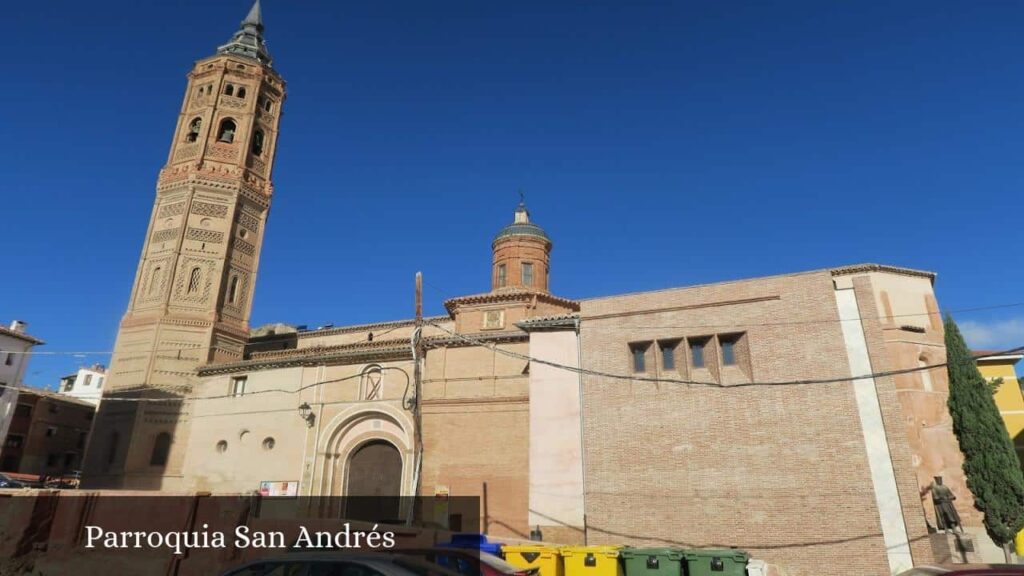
{"points": [[634, 377], [184, 399], [585, 320]]}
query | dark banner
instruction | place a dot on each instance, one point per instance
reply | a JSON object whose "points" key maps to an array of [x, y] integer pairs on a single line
{"points": [[82, 533]]}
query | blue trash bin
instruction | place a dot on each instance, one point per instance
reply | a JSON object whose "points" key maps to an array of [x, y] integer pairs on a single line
{"points": [[473, 542]]}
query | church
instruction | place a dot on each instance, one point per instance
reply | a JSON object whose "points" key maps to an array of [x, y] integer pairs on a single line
{"points": [[793, 416]]}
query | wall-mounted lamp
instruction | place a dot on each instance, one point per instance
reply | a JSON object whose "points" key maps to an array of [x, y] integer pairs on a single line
{"points": [[306, 413]]}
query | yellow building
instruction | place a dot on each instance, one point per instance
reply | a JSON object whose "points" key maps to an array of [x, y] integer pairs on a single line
{"points": [[1009, 399]]}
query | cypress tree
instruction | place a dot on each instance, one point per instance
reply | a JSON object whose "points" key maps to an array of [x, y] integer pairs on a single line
{"points": [[990, 461]]}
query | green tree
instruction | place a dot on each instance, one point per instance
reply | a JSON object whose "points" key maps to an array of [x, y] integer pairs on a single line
{"points": [[990, 461]]}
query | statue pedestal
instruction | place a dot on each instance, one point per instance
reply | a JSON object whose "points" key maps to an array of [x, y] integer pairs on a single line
{"points": [[953, 548]]}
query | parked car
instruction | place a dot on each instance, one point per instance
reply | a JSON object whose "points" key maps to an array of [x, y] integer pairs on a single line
{"points": [[8, 482], [469, 562], [334, 563], [967, 570]]}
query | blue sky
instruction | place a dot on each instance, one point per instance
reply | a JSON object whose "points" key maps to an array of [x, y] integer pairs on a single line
{"points": [[659, 143]]}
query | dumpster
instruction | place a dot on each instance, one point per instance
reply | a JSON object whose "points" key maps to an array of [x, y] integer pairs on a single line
{"points": [[716, 562], [591, 560], [546, 559], [652, 561], [473, 542]]}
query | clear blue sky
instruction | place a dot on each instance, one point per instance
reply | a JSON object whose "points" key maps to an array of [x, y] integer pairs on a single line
{"points": [[659, 143]]}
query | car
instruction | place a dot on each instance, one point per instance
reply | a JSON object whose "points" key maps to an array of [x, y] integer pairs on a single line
{"points": [[967, 570], [469, 562], [8, 482], [337, 563]]}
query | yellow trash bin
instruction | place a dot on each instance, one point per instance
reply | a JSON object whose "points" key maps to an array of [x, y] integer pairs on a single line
{"points": [[591, 560], [545, 559], [1018, 543]]}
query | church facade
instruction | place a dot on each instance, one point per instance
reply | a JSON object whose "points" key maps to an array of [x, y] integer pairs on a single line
{"points": [[794, 416]]}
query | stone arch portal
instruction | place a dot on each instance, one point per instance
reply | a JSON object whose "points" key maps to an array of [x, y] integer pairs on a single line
{"points": [[368, 455]]}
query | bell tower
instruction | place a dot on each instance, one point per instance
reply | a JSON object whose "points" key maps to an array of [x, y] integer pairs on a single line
{"points": [[193, 290]]}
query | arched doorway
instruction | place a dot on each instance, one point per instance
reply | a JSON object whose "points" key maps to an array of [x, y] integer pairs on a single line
{"points": [[374, 482]]}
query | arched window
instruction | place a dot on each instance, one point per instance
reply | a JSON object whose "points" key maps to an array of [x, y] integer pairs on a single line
{"points": [[373, 382], [229, 90], [268, 105], [193, 130], [227, 131], [115, 439], [241, 92], [154, 279], [161, 448], [257, 143], [193, 281], [233, 289], [926, 374]]}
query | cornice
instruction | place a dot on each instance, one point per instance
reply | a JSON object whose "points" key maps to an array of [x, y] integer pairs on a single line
{"points": [[517, 295], [542, 323], [869, 267]]}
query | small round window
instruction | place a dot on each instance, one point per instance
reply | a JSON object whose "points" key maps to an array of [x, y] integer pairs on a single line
{"points": [[268, 443], [222, 446]]}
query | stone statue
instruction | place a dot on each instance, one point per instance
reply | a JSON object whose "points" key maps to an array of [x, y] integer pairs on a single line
{"points": [[946, 516]]}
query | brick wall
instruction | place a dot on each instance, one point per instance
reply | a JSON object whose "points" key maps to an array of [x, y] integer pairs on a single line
{"points": [[778, 470]]}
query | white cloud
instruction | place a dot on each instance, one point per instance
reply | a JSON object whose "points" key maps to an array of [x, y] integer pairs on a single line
{"points": [[999, 334]]}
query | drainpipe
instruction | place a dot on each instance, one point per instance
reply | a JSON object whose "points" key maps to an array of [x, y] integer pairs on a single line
{"points": [[583, 452]]}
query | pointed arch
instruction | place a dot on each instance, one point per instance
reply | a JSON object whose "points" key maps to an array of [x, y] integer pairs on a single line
{"points": [[154, 281], [257, 142], [226, 132], [193, 129], [233, 289], [193, 280]]}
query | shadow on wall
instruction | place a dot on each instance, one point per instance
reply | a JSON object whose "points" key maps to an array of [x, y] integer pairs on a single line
{"points": [[1018, 443]]}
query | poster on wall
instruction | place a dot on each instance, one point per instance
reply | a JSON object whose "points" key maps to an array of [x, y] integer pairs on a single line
{"points": [[278, 488]]}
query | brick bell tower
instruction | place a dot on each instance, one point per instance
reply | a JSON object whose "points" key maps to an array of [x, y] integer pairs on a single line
{"points": [[193, 290]]}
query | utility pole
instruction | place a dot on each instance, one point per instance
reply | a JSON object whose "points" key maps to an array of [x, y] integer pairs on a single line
{"points": [[417, 412]]}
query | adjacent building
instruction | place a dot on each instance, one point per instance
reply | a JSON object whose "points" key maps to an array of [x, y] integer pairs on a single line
{"points": [[15, 351], [758, 413], [86, 384], [48, 434], [995, 366]]}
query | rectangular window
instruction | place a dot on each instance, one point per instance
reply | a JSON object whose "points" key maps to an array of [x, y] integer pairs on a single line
{"points": [[638, 351], [238, 385], [51, 431], [82, 437], [88, 380], [502, 276], [697, 353], [69, 459], [23, 410], [51, 459], [99, 383], [728, 352], [527, 274], [10, 359], [14, 441], [53, 408], [668, 355]]}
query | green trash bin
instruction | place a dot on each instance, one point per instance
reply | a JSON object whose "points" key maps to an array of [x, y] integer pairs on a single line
{"points": [[652, 561], [716, 562]]}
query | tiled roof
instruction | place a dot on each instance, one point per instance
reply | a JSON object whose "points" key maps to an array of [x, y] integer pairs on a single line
{"points": [[555, 321], [869, 267], [509, 295], [20, 336]]}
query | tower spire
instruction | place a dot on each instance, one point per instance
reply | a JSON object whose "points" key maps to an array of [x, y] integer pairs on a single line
{"points": [[248, 41]]}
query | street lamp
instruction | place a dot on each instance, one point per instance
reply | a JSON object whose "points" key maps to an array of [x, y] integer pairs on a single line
{"points": [[306, 413]]}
